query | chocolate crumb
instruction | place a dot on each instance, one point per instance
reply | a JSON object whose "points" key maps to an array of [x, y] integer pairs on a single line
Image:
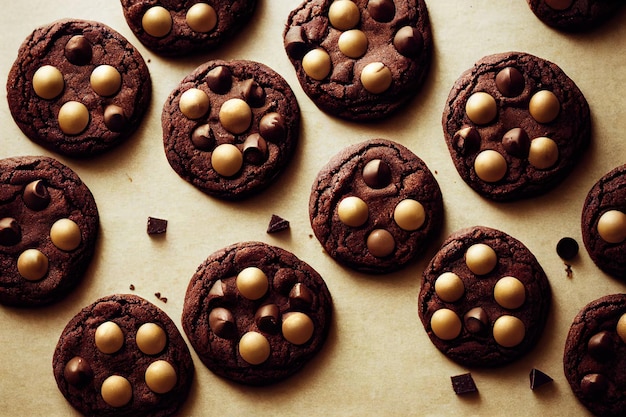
{"points": [[463, 384], [568, 270], [156, 226], [567, 248], [277, 224], [158, 295], [538, 378], [131, 287]]}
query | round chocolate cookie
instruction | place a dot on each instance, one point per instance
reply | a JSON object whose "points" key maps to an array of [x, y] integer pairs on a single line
{"points": [[123, 356], [595, 356], [182, 27], [360, 60], [603, 223], [48, 230], [484, 299], [230, 127], [515, 126], [375, 206], [78, 87], [574, 15], [255, 313]]}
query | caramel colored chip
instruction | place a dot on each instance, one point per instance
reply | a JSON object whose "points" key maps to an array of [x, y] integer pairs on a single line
{"points": [[151, 338], [105, 80], [65, 235], [32, 265], [298, 328], [481, 259], [201, 17], [235, 115], [544, 106], [160, 377], [490, 166], [508, 331], [194, 103], [481, 108], [353, 43], [109, 337], [116, 391], [227, 160], [73, 117], [344, 14], [509, 292], [449, 287], [252, 283], [544, 153], [316, 63], [254, 348], [612, 226], [353, 211], [376, 77], [157, 22], [48, 82], [409, 214], [445, 324]]}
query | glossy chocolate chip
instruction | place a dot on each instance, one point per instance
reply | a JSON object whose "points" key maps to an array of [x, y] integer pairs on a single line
{"points": [[594, 385], [381, 10], [476, 321], [10, 233], [601, 345], [203, 138], [377, 174], [252, 93], [36, 196], [114, 118], [295, 42], [78, 50], [567, 248], [467, 140], [222, 323], [267, 318], [510, 82], [408, 41], [255, 149], [78, 372], [272, 127], [219, 80], [516, 142], [300, 297]]}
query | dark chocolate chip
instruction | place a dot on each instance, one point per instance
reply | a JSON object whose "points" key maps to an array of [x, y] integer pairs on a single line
{"points": [[381, 10], [156, 226], [77, 372], [408, 41], [538, 378], [510, 82], [463, 384], [219, 80], [267, 318], [277, 224], [203, 138], [516, 142], [377, 174], [594, 385], [567, 248], [78, 50], [476, 320], [253, 93], [467, 140], [300, 297], [255, 149], [36, 196], [114, 118], [272, 127], [295, 42], [10, 233], [222, 323], [601, 346]]}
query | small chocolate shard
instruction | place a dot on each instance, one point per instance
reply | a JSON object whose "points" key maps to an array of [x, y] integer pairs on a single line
{"points": [[463, 384], [277, 224], [538, 378], [156, 226]]}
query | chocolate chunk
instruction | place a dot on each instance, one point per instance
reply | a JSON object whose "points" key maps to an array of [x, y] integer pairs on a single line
{"points": [[594, 385], [10, 233], [77, 372], [267, 318], [463, 384], [467, 140], [381, 10], [377, 174], [409, 41], [255, 149], [567, 248], [156, 226], [510, 82], [277, 224], [601, 346], [516, 142], [115, 119], [219, 79], [253, 93], [476, 320], [272, 127], [538, 378], [295, 44], [78, 50], [300, 297], [222, 323], [203, 138], [36, 196]]}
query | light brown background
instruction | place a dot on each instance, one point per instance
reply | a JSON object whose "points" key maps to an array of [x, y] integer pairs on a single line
{"points": [[378, 359]]}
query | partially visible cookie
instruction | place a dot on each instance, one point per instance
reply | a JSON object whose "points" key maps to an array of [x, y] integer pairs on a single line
{"points": [[603, 223], [516, 125], [484, 299], [574, 15], [48, 230], [595, 356], [255, 313], [375, 206], [78, 87], [360, 60], [230, 127], [123, 356], [183, 27]]}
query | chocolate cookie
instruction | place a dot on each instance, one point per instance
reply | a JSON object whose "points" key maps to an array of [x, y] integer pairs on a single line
{"points": [[123, 356], [595, 356], [255, 313], [603, 223], [48, 230], [484, 298], [375, 206], [230, 127], [78, 87], [574, 15], [515, 126], [182, 27], [359, 60]]}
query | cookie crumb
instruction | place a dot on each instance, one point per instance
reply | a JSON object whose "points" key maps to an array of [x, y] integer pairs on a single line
{"points": [[131, 287], [277, 224], [463, 384], [568, 270], [161, 298], [538, 379], [156, 226]]}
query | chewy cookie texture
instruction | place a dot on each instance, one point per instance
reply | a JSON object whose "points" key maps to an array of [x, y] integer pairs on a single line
{"points": [[123, 356], [516, 125], [183, 27], [255, 313], [48, 230], [484, 299], [78, 87], [359, 60]]}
